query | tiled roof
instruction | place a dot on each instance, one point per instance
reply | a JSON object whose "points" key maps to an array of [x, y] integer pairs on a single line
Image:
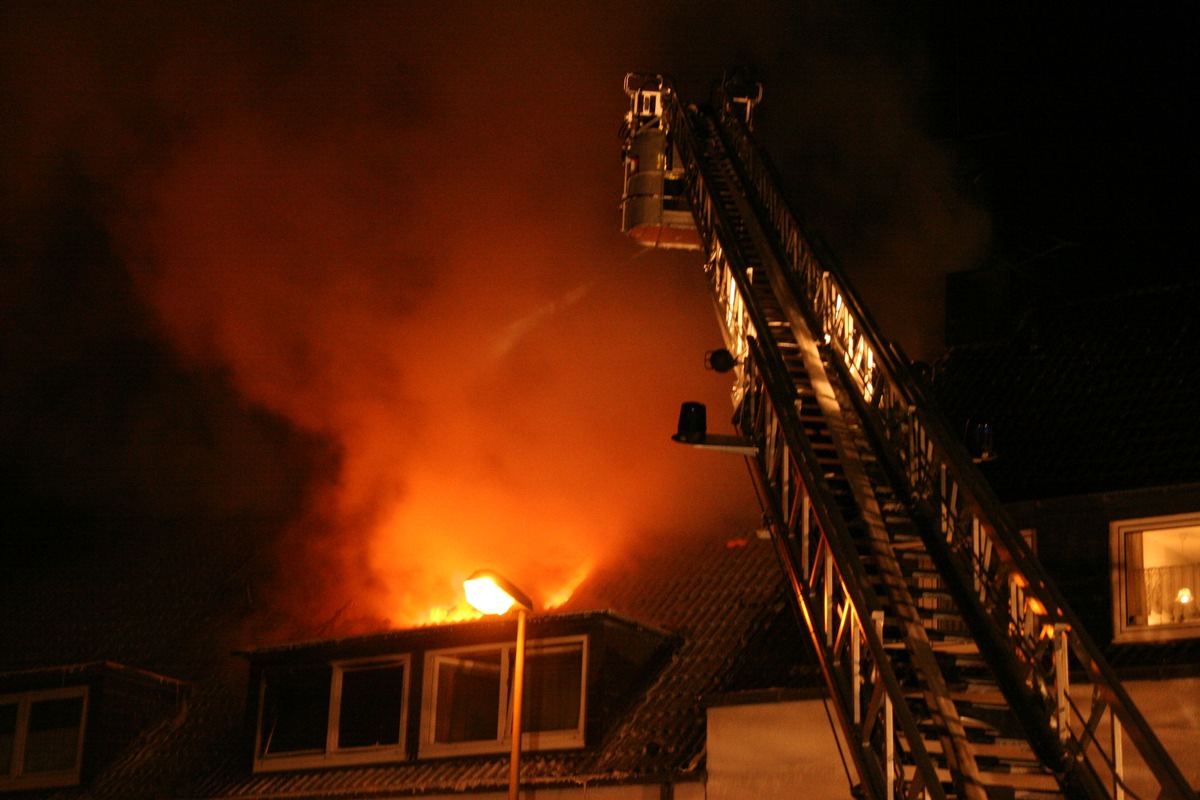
{"points": [[176, 611], [168, 607], [1095, 395], [717, 598]]}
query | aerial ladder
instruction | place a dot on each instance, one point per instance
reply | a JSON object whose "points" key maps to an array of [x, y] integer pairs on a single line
{"points": [[946, 649]]}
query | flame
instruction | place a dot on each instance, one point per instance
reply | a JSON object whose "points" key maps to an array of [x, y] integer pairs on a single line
{"points": [[431, 543], [455, 612], [567, 590], [462, 611]]}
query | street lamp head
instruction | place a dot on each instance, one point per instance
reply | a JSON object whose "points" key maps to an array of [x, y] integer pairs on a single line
{"points": [[492, 593]]}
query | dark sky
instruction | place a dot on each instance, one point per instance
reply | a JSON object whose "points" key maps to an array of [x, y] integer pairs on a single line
{"points": [[336, 290], [1082, 123]]}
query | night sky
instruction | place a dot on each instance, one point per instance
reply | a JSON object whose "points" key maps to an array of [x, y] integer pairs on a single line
{"points": [[334, 295]]}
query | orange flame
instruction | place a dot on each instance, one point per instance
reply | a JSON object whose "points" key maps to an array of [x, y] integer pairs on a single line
{"points": [[456, 612], [567, 590]]}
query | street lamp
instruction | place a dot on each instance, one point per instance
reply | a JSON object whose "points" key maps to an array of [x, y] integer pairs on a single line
{"points": [[492, 593]]}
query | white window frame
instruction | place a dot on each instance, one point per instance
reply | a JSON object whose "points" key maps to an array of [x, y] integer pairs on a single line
{"points": [[16, 779], [334, 755], [539, 740], [1123, 631], [369, 753]]}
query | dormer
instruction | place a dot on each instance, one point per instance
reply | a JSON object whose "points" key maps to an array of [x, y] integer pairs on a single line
{"points": [[444, 691], [59, 726]]}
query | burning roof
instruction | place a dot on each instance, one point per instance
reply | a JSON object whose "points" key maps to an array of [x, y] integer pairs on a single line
{"points": [[716, 605]]}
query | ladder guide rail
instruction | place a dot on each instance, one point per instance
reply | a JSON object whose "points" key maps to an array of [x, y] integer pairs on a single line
{"points": [[1017, 617], [833, 605], [941, 475], [830, 587]]}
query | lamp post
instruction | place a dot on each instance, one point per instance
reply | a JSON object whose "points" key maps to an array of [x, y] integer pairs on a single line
{"points": [[491, 593]]}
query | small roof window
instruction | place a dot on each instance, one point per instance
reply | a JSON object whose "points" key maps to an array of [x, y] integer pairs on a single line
{"points": [[41, 738], [345, 712], [468, 697], [61, 725]]}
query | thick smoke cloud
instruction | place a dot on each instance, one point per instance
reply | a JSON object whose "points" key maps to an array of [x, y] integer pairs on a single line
{"points": [[353, 271]]}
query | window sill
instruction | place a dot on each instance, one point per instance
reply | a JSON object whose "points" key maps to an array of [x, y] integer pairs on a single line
{"points": [[1158, 633], [373, 755], [530, 743]]}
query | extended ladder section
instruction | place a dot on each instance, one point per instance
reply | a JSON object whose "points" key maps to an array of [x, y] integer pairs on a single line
{"points": [[945, 647]]}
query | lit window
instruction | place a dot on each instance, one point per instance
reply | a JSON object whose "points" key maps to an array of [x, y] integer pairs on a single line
{"points": [[1156, 577], [41, 738], [468, 696], [322, 715]]}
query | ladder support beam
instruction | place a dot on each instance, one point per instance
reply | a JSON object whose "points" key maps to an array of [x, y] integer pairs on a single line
{"points": [[893, 451]]}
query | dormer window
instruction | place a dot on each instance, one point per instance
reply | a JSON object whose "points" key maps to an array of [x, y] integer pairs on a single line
{"points": [[64, 725], [468, 694], [295, 711], [41, 738], [369, 705], [325, 714], [465, 696]]}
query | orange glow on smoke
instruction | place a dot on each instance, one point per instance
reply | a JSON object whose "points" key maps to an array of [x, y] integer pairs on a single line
{"points": [[497, 367], [380, 226]]}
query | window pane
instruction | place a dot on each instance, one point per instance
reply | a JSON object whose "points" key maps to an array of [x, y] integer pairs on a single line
{"points": [[8, 736], [1163, 576], [372, 699], [553, 688], [295, 715], [52, 743], [468, 697]]}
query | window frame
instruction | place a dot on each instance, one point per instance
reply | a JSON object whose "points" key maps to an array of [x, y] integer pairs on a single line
{"points": [[367, 753], [16, 778], [1123, 630], [536, 740], [333, 754]]}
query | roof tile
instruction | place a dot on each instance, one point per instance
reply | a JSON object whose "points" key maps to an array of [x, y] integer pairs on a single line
{"points": [[1098, 394]]}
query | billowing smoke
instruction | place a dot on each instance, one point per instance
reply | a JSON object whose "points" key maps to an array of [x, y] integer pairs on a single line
{"points": [[353, 271]]}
